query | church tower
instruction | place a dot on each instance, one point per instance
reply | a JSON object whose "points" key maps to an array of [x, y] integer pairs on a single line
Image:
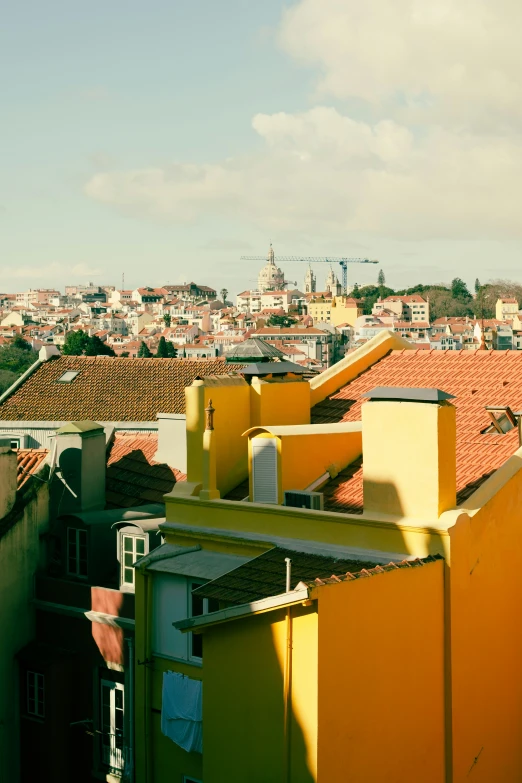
{"points": [[310, 283], [332, 283], [270, 278]]}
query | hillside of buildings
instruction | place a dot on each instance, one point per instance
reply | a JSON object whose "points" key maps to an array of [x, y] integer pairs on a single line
{"points": [[310, 327]]}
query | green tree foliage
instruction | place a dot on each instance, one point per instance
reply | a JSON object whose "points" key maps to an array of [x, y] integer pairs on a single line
{"points": [[477, 285], [369, 294], [79, 343], [96, 347], [75, 343], [167, 318], [144, 351], [459, 290], [280, 320], [165, 349], [124, 355], [15, 359]]}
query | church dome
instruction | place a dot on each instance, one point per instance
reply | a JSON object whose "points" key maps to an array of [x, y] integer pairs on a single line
{"points": [[270, 278]]}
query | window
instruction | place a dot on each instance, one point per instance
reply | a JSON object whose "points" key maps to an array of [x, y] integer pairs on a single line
{"points": [[112, 712], [131, 549], [35, 694], [199, 606], [77, 552], [68, 376], [14, 444]]}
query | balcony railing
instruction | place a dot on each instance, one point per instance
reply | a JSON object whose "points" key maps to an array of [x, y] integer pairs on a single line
{"points": [[113, 753]]}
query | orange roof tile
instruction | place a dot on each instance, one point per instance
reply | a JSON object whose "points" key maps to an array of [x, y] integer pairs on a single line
{"points": [[476, 378], [28, 462], [108, 389]]}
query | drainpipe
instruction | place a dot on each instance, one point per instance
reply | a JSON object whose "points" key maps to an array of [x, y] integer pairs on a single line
{"points": [[130, 702], [147, 695], [288, 681]]}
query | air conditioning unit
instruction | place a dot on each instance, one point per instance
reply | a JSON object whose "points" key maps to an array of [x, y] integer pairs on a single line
{"points": [[297, 498]]}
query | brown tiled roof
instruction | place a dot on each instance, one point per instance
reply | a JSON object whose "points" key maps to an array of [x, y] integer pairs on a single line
{"points": [[265, 575], [133, 478], [28, 462], [476, 378], [375, 571], [108, 389]]}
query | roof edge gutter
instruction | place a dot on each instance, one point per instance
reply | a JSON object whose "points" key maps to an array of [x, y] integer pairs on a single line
{"points": [[155, 556], [20, 380], [300, 594]]}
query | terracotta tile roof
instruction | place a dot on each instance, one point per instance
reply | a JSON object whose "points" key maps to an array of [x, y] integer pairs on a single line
{"points": [[28, 462], [133, 478], [108, 389], [476, 378], [375, 570], [265, 575]]}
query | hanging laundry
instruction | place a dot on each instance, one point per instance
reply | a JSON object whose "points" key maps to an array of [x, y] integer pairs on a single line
{"points": [[182, 711]]}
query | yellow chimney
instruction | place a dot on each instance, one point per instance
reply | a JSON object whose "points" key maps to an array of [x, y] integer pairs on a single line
{"points": [[209, 490], [409, 452]]}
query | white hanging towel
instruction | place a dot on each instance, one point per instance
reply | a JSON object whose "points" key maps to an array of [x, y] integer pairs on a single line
{"points": [[182, 711]]}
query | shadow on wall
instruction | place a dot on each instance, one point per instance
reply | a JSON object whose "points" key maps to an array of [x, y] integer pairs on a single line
{"points": [[244, 734], [133, 481]]}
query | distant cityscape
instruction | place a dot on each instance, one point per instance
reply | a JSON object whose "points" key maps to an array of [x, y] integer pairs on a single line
{"points": [[310, 327]]}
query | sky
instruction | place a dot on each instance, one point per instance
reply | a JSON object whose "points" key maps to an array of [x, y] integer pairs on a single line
{"points": [[164, 139]]}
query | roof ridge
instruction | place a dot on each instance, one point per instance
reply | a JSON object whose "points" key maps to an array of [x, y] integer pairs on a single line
{"points": [[375, 571]]}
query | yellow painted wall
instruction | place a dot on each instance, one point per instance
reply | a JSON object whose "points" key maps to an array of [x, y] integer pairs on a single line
{"points": [[280, 521], [320, 310], [381, 675], [486, 640], [232, 417], [158, 759], [341, 373], [243, 714], [413, 472], [303, 458], [343, 314], [276, 402]]}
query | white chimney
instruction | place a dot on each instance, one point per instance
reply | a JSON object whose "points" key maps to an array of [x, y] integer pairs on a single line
{"points": [[81, 465]]}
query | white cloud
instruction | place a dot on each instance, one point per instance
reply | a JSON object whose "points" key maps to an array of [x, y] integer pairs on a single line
{"points": [[457, 60], [322, 171], [442, 158], [51, 271]]}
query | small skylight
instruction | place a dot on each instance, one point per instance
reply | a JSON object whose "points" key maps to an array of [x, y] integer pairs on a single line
{"points": [[68, 376], [504, 422]]}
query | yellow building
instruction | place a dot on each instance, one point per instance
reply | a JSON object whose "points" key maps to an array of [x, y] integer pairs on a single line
{"points": [[412, 667], [506, 309], [337, 310]]}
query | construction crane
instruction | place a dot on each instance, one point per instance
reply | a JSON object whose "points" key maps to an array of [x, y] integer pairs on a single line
{"points": [[314, 260]]}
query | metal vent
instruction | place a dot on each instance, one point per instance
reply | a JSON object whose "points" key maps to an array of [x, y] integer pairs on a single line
{"points": [[297, 498], [264, 470]]}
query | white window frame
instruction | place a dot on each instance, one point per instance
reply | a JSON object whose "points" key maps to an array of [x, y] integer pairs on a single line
{"points": [[111, 754], [76, 572], [128, 586], [36, 681]]}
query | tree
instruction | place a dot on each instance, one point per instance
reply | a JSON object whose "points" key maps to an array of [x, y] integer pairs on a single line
{"points": [[224, 294], [167, 318], [19, 342], [7, 378], [381, 279], [459, 290], [356, 293], [144, 351], [16, 360], [477, 285], [96, 347], [172, 350], [163, 351], [280, 320], [75, 343], [124, 355]]}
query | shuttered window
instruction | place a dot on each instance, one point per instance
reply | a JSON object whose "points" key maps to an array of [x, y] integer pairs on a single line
{"points": [[264, 468]]}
